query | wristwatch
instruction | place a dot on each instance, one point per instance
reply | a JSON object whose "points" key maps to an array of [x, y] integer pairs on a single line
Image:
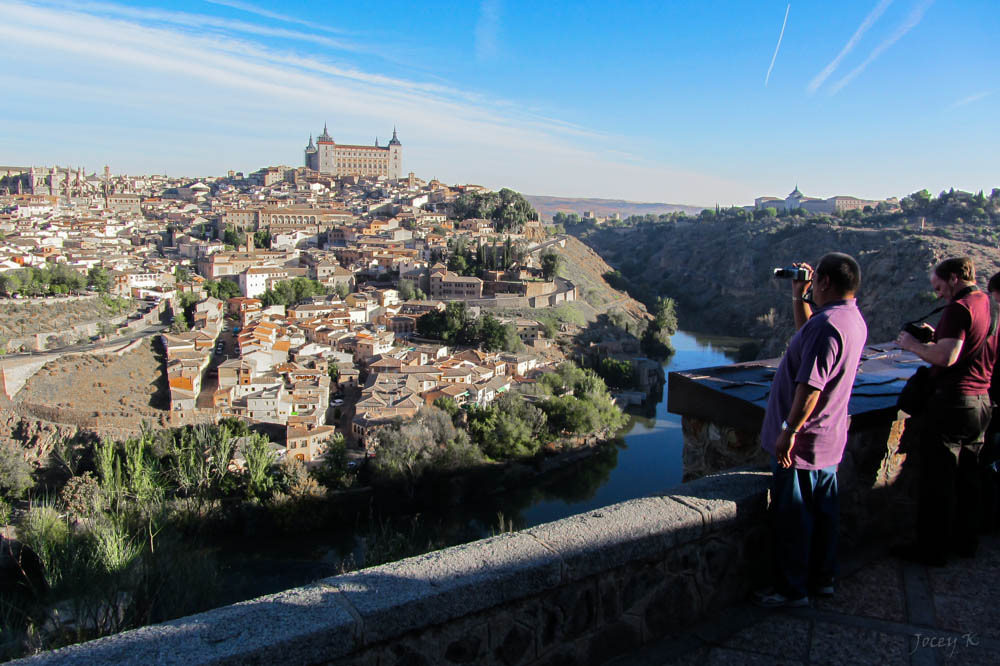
{"points": [[785, 426]]}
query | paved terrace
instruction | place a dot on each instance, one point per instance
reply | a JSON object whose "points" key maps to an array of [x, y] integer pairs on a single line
{"points": [[884, 612]]}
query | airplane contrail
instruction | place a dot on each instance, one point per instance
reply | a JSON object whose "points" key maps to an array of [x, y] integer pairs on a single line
{"points": [[873, 16], [778, 45], [911, 22]]}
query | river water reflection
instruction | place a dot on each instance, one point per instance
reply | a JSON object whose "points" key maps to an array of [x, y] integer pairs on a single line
{"points": [[651, 458]]}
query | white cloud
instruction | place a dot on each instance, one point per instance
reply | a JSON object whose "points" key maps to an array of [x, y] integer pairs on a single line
{"points": [[487, 32], [252, 9], [214, 101], [200, 22], [908, 24], [873, 16]]}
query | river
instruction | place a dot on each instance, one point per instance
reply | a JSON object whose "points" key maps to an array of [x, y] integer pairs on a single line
{"points": [[650, 460], [647, 461]]}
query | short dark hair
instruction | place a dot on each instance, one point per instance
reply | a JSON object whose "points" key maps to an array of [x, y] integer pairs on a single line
{"points": [[960, 267], [994, 283], [843, 271]]}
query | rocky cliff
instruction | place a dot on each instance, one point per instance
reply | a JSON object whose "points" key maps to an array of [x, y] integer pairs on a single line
{"points": [[721, 274]]}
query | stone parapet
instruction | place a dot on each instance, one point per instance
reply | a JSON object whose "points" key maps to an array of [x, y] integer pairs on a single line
{"points": [[577, 590]]}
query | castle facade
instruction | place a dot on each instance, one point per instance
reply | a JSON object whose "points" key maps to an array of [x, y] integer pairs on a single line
{"points": [[326, 156]]}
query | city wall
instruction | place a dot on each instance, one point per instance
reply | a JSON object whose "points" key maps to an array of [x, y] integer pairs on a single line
{"points": [[579, 590]]}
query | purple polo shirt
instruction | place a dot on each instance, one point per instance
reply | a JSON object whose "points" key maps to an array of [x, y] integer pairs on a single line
{"points": [[824, 354]]}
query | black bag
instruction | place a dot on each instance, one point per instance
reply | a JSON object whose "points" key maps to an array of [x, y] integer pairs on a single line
{"points": [[917, 392]]}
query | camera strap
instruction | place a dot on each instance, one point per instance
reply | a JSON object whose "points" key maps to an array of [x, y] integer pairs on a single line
{"points": [[929, 314]]}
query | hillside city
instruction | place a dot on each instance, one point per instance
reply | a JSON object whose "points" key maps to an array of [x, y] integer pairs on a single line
{"points": [[291, 297]]}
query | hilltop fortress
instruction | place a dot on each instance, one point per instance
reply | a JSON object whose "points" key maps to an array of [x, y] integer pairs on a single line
{"points": [[325, 156]]}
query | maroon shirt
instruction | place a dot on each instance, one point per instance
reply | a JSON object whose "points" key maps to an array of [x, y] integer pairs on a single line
{"points": [[967, 318]]}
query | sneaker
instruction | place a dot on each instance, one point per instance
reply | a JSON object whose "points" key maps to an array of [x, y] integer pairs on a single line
{"points": [[824, 590], [774, 599]]}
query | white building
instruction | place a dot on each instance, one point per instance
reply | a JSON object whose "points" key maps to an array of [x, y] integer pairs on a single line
{"points": [[255, 281]]}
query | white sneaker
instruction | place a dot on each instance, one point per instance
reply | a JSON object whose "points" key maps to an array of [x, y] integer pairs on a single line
{"points": [[771, 598]]}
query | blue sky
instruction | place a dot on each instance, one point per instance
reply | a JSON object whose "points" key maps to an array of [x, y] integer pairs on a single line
{"points": [[647, 101]]}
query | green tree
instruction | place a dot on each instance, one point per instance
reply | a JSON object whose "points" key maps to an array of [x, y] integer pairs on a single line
{"points": [[262, 239], [406, 289], [222, 289], [427, 442], [618, 374], [551, 262], [99, 278], [510, 427], [507, 209], [234, 238], [448, 405], [10, 283], [332, 472], [259, 463]]}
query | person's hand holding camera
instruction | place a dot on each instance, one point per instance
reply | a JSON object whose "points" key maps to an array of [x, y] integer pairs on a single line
{"points": [[912, 337], [799, 287]]}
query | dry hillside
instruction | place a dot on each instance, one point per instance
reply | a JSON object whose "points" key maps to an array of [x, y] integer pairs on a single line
{"points": [[585, 268], [19, 318], [720, 275]]}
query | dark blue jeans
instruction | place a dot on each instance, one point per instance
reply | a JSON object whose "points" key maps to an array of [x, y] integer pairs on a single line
{"points": [[805, 511]]}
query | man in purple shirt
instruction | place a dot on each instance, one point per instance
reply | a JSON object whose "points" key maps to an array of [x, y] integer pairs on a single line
{"points": [[805, 429]]}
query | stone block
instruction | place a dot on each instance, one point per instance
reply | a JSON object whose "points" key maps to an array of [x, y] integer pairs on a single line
{"points": [[463, 642], [436, 587], [617, 535], [721, 499], [297, 626]]}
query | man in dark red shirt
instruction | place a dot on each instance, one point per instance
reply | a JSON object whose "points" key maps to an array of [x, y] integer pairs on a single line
{"points": [[961, 352]]}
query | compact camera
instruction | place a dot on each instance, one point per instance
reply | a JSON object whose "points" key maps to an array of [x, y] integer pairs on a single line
{"points": [[921, 333], [801, 274]]}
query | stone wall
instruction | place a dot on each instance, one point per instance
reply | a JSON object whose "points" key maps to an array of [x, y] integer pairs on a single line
{"points": [[41, 341]]}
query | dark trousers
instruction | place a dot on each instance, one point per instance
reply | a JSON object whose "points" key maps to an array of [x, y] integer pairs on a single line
{"points": [[948, 510], [989, 476], [805, 510]]}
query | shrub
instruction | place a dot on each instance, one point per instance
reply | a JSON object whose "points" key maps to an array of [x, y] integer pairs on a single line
{"points": [[293, 478], [15, 472], [81, 496], [44, 531]]}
